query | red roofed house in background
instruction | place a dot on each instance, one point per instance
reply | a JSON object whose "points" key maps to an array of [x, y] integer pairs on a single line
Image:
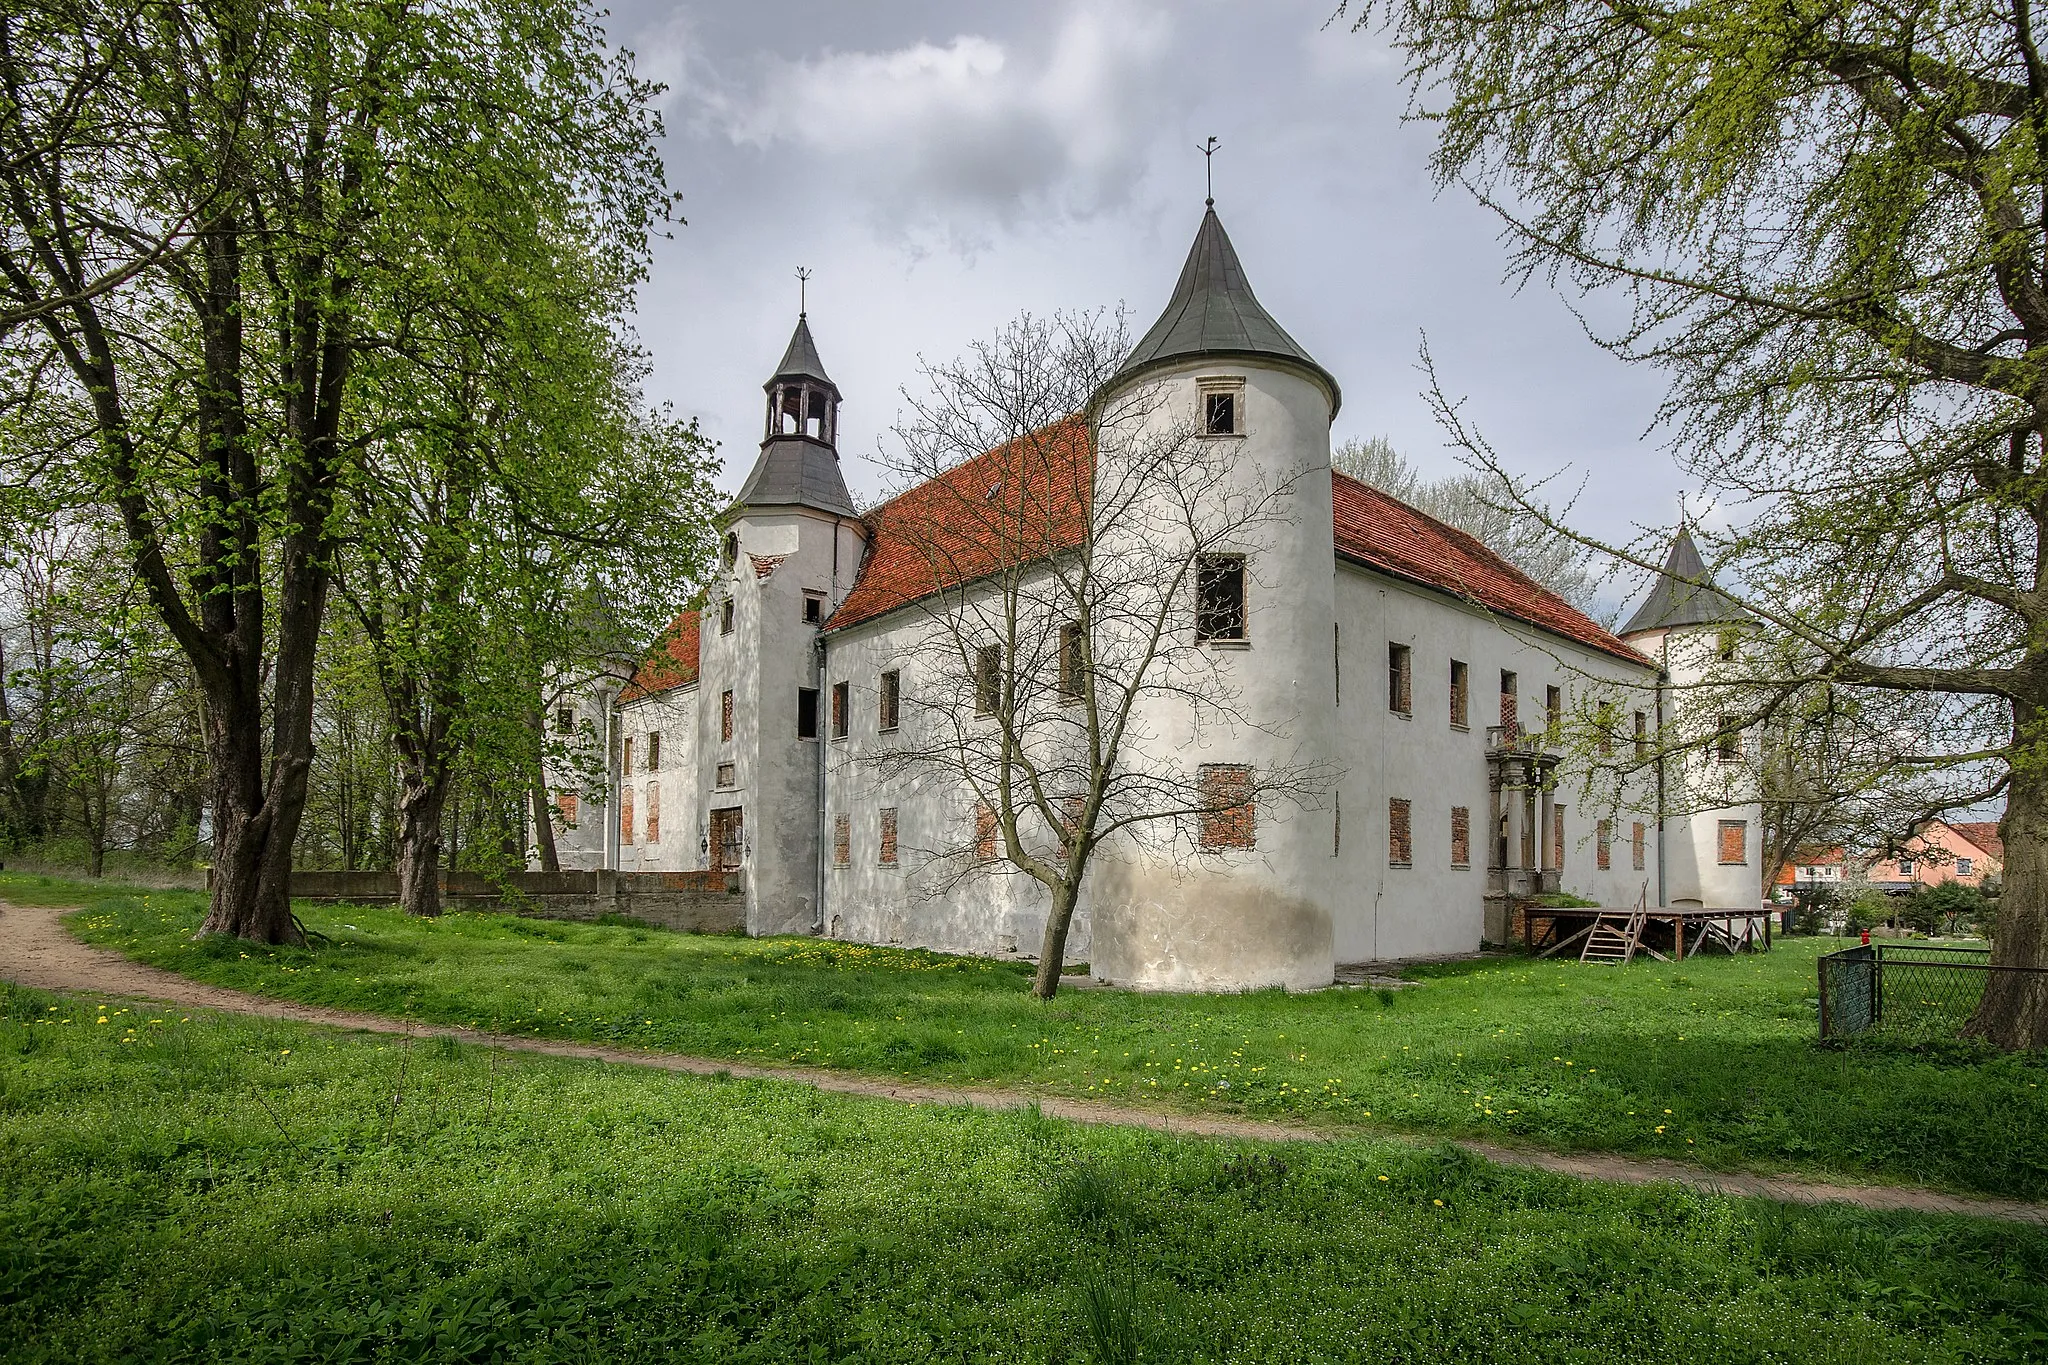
{"points": [[1422, 669]]}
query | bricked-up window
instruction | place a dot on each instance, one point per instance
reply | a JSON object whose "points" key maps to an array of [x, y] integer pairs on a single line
{"points": [[1400, 841], [725, 715], [1635, 847], [814, 608], [889, 701], [887, 857], [988, 680], [1642, 736], [1461, 695], [725, 617], [625, 815], [842, 709], [728, 775], [1510, 704], [807, 713], [986, 831], [566, 803], [1557, 836], [1073, 661], [1461, 836], [1553, 709], [653, 812], [842, 841], [1728, 740], [626, 756], [565, 720], [1603, 836], [1230, 818], [1400, 682], [1219, 597], [654, 751], [1735, 843], [1609, 721]]}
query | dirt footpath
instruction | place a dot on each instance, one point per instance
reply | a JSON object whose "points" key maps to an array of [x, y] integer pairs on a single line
{"points": [[36, 950]]}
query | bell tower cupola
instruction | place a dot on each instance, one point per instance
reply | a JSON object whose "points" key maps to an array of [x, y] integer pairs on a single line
{"points": [[799, 462]]}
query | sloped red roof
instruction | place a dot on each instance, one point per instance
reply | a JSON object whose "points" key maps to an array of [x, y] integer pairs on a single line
{"points": [[1013, 505], [1386, 534], [1982, 833], [672, 663]]}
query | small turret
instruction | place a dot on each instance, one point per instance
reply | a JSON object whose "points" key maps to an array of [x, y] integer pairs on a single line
{"points": [[799, 461]]}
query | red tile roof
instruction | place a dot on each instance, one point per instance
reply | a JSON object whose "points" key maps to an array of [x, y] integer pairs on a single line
{"points": [[1982, 833], [965, 524], [1012, 505], [1385, 534], [672, 662]]}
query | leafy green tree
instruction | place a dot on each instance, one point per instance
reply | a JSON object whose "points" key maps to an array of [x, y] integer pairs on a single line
{"points": [[1823, 219], [214, 220]]}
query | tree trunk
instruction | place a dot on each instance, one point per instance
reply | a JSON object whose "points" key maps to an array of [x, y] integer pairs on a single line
{"points": [[1052, 952], [544, 830], [251, 884], [420, 806], [2014, 1011]]}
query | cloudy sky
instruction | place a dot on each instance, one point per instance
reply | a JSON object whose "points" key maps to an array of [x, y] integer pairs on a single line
{"points": [[942, 167]]}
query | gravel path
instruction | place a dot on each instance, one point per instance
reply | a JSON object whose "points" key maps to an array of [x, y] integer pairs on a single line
{"points": [[37, 951]]}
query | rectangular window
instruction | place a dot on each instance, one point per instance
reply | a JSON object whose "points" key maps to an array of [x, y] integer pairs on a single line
{"points": [[625, 815], [1229, 813], [807, 713], [1725, 645], [566, 803], [1461, 696], [725, 617], [1603, 834], [1735, 844], [1905, 864], [654, 751], [1073, 656], [1337, 662], [1219, 414], [887, 857], [1461, 836], [728, 775], [725, 715], [889, 701], [1609, 721], [842, 841], [1219, 597], [1553, 709], [1557, 836], [653, 812], [1400, 846], [1728, 740], [1642, 736], [727, 838], [1510, 705], [565, 720], [1635, 847], [626, 756], [1337, 824], [842, 707], [1965, 867], [988, 680], [814, 608], [985, 831], [1400, 692]]}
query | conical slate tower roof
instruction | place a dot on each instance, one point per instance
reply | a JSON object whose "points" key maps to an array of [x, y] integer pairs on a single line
{"points": [[1684, 595], [1213, 312], [801, 361], [793, 470]]}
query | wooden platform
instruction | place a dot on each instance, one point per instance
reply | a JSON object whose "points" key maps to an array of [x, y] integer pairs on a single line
{"points": [[1667, 933]]}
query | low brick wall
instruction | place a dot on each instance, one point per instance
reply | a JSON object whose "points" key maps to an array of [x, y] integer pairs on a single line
{"points": [[692, 902]]}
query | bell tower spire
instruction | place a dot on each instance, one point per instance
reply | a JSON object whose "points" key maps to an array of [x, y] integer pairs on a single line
{"points": [[799, 462]]}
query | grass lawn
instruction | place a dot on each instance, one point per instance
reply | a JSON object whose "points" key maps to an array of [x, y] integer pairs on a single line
{"points": [[1713, 1060], [205, 1188]]}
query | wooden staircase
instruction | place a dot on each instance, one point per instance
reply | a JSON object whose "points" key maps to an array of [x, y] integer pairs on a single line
{"points": [[1616, 936]]}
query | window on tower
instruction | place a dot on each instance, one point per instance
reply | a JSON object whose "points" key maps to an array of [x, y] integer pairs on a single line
{"points": [[1219, 598]]}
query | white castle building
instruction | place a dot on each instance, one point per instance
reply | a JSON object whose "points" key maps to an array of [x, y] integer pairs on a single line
{"points": [[1429, 676]]}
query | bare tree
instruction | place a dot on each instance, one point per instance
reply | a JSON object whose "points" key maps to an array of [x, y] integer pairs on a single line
{"points": [[1083, 537]]}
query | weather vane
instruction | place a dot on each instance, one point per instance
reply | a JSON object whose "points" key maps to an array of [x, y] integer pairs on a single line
{"points": [[803, 280], [1208, 151]]}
